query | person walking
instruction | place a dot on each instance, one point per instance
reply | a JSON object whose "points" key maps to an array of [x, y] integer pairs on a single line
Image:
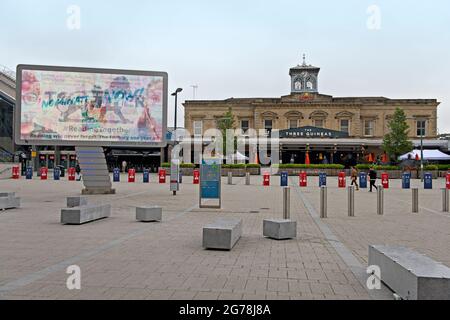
{"points": [[78, 171], [354, 176], [373, 178]]}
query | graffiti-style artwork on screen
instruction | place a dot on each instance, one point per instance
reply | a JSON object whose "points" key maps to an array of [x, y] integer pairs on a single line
{"points": [[109, 108]]}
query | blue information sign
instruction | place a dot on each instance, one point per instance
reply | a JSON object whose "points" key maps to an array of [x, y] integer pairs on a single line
{"points": [[210, 181]]}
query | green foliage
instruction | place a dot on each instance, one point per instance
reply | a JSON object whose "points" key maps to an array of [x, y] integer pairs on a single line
{"points": [[253, 165], [443, 167], [226, 122], [376, 167], [396, 142], [431, 167], [309, 166], [182, 165]]}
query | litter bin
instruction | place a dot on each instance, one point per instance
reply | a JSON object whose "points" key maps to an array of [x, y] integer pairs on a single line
{"points": [[322, 179], [428, 180], [146, 175], [116, 175], [363, 180], [56, 173], [29, 173], [406, 180], [62, 171], [284, 179]]}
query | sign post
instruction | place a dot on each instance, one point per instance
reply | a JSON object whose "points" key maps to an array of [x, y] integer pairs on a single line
{"points": [[210, 176]]}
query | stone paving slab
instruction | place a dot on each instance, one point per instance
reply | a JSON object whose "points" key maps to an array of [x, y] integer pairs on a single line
{"points": [[123, 259]]}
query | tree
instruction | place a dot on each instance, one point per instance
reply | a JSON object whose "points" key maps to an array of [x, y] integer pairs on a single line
{"points": [[226, 122], [396, 142]]}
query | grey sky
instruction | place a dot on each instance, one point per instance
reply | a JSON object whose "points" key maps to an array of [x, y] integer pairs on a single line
{"points": [[244, 48]]}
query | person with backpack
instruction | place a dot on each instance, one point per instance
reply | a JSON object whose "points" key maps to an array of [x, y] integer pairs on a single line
{"points": [[354, 177], [372, 178]]}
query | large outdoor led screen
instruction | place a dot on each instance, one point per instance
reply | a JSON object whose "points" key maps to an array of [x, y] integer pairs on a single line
{"points": [[83, 106]]}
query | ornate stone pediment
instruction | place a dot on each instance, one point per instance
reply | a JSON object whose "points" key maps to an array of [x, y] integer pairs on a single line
{"points": [[319, 114], [344, 114], [293, 115]]}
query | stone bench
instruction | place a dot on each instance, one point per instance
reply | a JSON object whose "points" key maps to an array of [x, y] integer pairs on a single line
{"points": [[222, 234], [147, 214], [279, 228], [413, 276], [83, 214], [76, 202], [8, 200]]}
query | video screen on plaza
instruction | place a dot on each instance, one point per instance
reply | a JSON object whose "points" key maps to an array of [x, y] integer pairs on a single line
{"points": [[80, 106]]}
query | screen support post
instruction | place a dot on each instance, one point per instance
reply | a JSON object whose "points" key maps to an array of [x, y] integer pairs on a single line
{"points": [[94, 170]]}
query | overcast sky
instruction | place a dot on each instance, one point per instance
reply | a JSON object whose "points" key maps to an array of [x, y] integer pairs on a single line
{"points": [[244, 48]]}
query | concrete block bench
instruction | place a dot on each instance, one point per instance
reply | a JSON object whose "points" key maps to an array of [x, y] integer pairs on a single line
{"points": [[147, 214], [8, 200], [76, 202], [279, 228], [222, 234], [412, 275], [83, 214]]}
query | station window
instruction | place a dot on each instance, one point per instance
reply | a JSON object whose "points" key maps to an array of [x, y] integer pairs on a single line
{"points": [[421, 127], [318, 123], [245, 125], [268, 125], [293, 123], [198, 128], [345, 125], [368, 127]]}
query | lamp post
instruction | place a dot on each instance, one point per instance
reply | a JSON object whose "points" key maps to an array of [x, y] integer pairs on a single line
{"points": [[421, 155], [175, 94]]}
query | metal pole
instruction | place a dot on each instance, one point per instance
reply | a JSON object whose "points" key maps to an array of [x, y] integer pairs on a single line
{"points": [[415, 200], [380, 200], [230, 177], [323, 201], [175, 124], [351, 201], [286, 203], [247, 178], [445, 200], [421, 156]]}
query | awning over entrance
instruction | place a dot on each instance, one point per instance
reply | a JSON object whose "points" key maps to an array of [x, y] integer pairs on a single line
{"points": [[433, 155]]}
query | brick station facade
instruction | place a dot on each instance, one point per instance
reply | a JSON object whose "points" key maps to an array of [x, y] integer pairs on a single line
{"points": [[332, 129]]}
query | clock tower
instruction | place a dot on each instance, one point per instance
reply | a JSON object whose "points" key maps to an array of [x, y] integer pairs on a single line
{"points": [[304, 78]]}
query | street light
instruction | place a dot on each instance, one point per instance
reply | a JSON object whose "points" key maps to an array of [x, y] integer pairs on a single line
{"points": [[176, 95]]}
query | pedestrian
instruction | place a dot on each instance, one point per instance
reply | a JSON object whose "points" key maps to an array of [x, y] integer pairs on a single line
{"points": [[373, 178], [124, 166], [78, 171], [354, 176]]}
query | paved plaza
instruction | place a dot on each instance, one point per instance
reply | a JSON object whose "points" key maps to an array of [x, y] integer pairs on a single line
{"points": [[121, 258]]}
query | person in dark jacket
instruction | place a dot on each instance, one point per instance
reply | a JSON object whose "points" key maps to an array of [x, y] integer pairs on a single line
{"points": [[78, 171], [373, 178]]}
